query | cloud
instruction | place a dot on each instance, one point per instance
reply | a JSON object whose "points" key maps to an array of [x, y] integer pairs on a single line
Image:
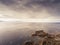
{"points": [[7, 2], [31, 8]]}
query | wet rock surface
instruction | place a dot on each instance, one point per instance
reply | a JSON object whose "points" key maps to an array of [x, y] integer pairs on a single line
{"points": [[43, 38]]}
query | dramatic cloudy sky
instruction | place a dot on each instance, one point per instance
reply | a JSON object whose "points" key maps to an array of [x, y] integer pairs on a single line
{"points": [[49, 9], [27, 11]]}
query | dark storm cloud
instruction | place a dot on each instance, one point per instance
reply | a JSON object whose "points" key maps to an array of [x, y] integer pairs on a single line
{"points": [[7, 2], [30, 1], [46, 1], [49, 4], [19, 4]]}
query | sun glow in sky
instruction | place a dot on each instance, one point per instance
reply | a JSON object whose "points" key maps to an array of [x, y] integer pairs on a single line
{"points": [[28, 20]]}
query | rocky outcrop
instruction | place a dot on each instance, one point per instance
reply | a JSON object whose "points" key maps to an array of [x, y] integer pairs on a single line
{"points": [[43, 38]]}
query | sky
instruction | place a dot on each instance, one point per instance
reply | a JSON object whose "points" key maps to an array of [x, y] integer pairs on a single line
{"points": [[30, 9]]}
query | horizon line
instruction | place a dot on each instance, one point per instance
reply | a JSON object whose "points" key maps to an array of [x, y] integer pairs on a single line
{"points": [[28, 20]]}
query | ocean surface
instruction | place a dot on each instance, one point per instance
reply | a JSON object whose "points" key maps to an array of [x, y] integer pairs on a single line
{"points": [[15, 33]]}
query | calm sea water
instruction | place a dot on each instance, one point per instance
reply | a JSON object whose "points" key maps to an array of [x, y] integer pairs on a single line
{"points": [[13, 33]]}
